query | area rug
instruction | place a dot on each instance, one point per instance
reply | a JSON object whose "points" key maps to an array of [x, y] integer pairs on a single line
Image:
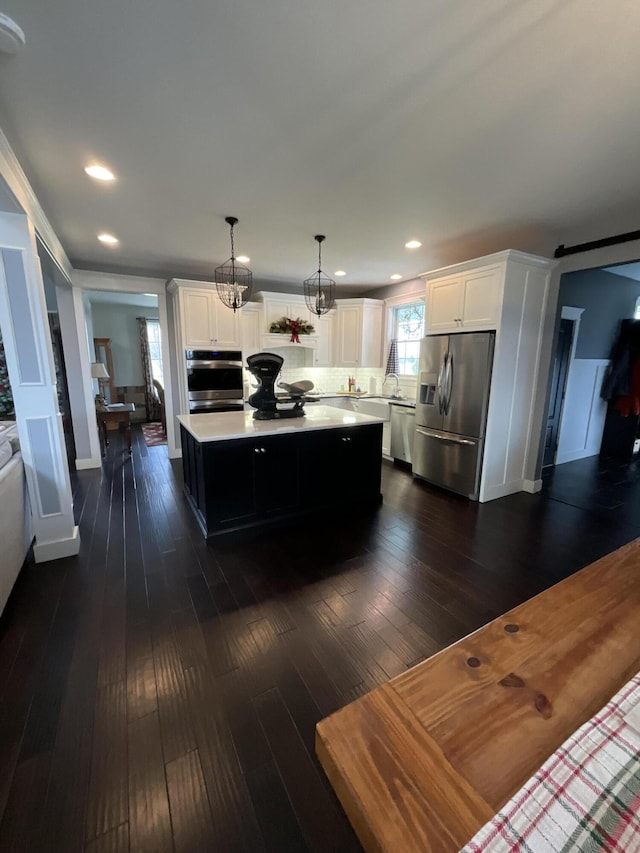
{"points": [[153, 434]]}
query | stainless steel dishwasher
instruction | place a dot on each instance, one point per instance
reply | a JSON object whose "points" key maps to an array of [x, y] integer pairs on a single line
{"points": [[402, 429]]}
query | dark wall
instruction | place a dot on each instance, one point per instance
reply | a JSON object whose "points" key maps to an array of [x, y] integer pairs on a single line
{"points": [[607, 299]]}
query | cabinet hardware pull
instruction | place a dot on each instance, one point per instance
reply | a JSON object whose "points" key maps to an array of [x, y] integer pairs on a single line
{"points": [[262, 450], [256, 450]]}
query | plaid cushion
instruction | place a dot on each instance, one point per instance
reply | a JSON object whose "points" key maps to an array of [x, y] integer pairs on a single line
{"points": [[585, 797]]}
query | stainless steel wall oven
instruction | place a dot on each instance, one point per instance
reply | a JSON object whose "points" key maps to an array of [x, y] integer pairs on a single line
{"points": [[214, 380]]}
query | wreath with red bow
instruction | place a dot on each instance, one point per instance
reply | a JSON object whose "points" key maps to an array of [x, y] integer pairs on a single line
{"points": [[287, 325]]}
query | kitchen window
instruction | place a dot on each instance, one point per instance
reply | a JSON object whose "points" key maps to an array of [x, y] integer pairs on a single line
{"points": [[408, 330]]}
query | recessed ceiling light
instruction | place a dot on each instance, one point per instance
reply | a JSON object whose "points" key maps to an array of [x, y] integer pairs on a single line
{"points": [[395, 276], [109, 239], [413, 244], [100, 173], [339, 272], [244, 259]]}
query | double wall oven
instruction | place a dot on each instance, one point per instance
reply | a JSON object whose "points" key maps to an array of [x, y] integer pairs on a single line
{"points": [[214, 380]]}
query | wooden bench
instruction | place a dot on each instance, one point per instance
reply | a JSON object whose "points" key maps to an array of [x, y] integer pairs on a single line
{"points": [[421, 763]]}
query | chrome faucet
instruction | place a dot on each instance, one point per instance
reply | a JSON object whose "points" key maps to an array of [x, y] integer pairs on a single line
{"points": [[395, 376]]}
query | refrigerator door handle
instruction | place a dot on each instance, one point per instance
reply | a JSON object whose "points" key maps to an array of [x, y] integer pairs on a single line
{"points": [[447, 404], [441, 372], [447, 438]]}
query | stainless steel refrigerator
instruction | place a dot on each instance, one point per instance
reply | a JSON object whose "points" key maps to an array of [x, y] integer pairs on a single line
{"points": [[451, 409]]}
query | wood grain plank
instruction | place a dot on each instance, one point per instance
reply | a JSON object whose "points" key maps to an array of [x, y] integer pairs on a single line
{"points": [[108, 805], [190, 813], [115, 841], [149, 820], [384, 792], [315, 811]]}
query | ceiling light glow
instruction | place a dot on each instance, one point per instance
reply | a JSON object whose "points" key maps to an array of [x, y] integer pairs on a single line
{"points": [[108, 239], [413, 244], [395, 277], [100, 173], [244, 259], [339, 272]]}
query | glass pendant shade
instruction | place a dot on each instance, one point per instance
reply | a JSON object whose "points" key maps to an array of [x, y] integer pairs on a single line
{"points": [[319, 290], [233, 279]]}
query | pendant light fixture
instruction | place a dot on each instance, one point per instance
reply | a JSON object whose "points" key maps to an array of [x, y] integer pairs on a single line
{"points": [[233, 279], [319, 290]]}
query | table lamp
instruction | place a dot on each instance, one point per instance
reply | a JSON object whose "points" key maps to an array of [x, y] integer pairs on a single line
{"points": [[99, 371]]}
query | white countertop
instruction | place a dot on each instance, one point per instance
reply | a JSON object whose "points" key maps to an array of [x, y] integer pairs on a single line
{"points": [[226, 425]]}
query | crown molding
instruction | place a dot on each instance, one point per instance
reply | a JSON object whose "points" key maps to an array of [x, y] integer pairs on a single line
{"points": [[18, 183]]}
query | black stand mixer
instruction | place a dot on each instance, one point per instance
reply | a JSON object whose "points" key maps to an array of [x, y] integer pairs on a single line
{"points": [[266, 366]]}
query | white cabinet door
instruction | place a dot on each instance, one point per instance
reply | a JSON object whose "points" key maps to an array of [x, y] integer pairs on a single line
{"points": [[482, 298], [199, 323], [251, 329], [275, 309], [226, 331], [349, 343], [445, 304], [323, 356]]}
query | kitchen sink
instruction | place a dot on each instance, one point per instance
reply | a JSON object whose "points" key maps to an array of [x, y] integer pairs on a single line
{"points": [[377, 407]]}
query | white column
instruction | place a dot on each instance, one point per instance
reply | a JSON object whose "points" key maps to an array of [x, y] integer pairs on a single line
{"points": [[27, 342], [77, 361]]}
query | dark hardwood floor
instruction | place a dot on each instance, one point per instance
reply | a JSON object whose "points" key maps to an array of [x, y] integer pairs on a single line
{"points": [[157, 693]]}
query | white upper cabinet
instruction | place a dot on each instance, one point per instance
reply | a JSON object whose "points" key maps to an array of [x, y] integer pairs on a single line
{"points": [[466, 301], [251, 328], [281, 305], [206, 321], [359, 333], [198, 319], [324, 326]]}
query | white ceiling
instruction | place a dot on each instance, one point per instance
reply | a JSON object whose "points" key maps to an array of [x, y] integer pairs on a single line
{"points": [[110, 297], [472, 126], [626, 270]]}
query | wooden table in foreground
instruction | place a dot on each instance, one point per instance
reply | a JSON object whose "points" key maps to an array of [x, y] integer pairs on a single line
{"points": [[423, 762]]}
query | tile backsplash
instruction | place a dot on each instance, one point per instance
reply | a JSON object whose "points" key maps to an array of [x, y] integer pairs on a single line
{"points": [[328, 379]]}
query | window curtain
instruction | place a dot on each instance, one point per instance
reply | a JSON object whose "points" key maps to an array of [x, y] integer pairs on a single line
{"points": [[154, 412], [6, 398], [392, 360]]}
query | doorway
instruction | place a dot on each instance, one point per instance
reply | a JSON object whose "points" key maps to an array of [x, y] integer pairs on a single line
{"points": [[126, 334], [559, 375]]}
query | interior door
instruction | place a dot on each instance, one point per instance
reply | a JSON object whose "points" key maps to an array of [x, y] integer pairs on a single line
{"points": [[558, 385], [466, 383]]}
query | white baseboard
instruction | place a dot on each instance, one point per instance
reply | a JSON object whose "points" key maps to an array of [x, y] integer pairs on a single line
{"points": [[531, 486], [58, 549], [572, 455], [85, 464]]}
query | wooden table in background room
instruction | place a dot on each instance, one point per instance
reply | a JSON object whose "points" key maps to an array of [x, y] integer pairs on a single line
{"points": [[118, 413]]}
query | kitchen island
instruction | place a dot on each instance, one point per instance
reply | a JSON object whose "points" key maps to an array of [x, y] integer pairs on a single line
{"points": [[242, 473]]}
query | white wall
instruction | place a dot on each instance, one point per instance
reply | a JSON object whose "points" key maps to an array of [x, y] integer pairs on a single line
{"points": [[119, 322], [584, 411]]}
